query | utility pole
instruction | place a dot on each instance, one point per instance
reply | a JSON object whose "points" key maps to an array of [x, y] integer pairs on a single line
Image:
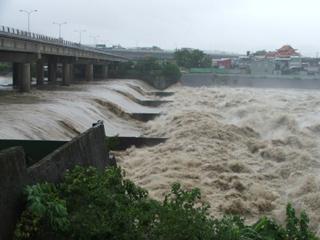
{"points": [[59, 24], [80, 34], [28, 14]]}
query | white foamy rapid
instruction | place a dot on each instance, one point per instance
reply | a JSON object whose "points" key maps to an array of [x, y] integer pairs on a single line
{"points": [[64, 113], [250, 151]]}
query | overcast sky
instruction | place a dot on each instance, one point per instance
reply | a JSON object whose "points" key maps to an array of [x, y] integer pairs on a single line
{"points": [[226, 25]]}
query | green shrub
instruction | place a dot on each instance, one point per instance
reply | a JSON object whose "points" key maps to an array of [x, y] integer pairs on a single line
{"points": [[171, 72], [46, 212], [93, 204], [182, 215], [102, 205]]}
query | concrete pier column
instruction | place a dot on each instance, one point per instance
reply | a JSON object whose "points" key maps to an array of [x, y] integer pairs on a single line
{"points": [[52, 72], [15, 75], [71, 72], [89, 72], [105, 70], [40, 73], [25, 83], [66, 75]]}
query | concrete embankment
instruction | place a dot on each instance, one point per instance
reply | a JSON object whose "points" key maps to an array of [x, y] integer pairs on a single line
{"points": [[87, 149], [246, 80]]}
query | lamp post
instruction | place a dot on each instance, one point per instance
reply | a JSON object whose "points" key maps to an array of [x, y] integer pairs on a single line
{"points": [[80, 34], [28, 14], [59, 24]]}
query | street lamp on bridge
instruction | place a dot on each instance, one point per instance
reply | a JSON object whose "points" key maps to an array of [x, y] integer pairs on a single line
{"points": [[80, 34], [28, 14], [59, 24]]}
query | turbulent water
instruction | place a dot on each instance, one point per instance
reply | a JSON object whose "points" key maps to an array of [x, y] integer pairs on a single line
{"points": [[250, 151], [65, 112]]}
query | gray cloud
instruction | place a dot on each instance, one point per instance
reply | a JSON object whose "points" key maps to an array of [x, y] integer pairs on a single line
{"points": [[230, 25]]}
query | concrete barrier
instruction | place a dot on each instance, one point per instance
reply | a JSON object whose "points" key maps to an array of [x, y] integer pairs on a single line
{"points": [[87, 149], [13, 176], [250, 80]]}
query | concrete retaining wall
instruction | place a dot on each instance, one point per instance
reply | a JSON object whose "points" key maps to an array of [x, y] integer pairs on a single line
{"points": [[88, 149], [13, 176], [270, 81]]}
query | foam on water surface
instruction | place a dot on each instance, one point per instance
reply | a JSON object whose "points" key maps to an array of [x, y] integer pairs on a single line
{"points": [[250, 151]]}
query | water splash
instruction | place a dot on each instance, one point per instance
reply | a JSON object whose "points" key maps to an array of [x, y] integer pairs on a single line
{"points": [[249, 150]]}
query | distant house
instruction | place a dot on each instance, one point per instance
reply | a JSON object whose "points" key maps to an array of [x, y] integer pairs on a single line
{"points": [[285, 51], [225, 63]]}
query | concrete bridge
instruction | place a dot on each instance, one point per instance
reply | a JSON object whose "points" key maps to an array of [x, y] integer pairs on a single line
{"points": [[23, 49]]}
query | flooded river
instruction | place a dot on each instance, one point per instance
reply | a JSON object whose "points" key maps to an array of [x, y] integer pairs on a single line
{"points": [[250, 151]]}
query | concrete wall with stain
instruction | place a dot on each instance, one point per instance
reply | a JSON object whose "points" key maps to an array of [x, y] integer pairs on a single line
{"points": [[88, 149]]}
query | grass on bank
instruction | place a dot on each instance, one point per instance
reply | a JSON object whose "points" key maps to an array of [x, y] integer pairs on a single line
{"points": [[92, 204]]}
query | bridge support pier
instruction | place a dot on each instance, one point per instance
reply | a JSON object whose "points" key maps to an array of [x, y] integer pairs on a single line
{"points": [[89, 72], [15, 75], [105, 70], [40, 73], [21, 76], [101, 72], [71, 72], [52, 72], [25, 74], [66, 78]]}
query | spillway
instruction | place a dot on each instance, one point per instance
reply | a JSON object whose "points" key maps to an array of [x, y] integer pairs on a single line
{"points": [[63, 113]]}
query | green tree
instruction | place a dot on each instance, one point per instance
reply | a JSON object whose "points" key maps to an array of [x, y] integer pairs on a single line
{"points": [[171, 72], [192, 58]]}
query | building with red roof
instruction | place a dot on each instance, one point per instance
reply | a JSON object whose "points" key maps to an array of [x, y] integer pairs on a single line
{"points": [[285, 51]]}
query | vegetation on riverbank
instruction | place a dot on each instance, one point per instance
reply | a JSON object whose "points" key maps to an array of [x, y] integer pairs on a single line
{"points": [[149, 70], [92, 204], [188, 58]]}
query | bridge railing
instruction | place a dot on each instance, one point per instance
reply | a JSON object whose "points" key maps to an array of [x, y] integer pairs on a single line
{"points": [[12, 32]]}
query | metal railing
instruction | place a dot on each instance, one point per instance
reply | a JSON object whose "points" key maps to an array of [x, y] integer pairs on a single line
{"points": [[35, 36]]}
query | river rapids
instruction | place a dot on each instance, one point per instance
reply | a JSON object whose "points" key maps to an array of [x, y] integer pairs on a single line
{"points": [[250, 151]]}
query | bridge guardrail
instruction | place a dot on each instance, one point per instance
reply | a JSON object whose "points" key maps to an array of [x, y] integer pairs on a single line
{"points": [[13, 32], [35, 36]]}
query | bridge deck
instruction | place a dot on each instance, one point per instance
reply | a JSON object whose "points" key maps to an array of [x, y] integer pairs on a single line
{"points": [[13, 40]]}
